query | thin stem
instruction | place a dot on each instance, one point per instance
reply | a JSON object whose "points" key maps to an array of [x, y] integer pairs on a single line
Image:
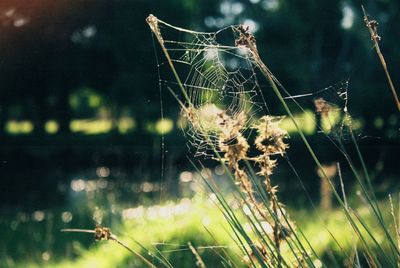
{"points": [[372, 27], [153, 22], [114, 238], [199, 260]]}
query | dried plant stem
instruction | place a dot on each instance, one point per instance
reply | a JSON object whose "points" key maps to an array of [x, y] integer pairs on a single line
{"points": [[153, 23], [273, 199], [275, 205], [372, 27], [199, 261], [247, 187]]}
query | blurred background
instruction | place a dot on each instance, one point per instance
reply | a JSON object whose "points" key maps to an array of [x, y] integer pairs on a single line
{"points": [[80, 123]]}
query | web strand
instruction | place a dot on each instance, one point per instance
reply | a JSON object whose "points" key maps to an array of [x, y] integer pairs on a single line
{"points": [[162, 170]]}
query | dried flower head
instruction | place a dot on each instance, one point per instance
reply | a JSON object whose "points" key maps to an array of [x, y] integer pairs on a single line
{"points": [[245, 37], [266, 165], [270, 138], [234, 147], [102, 233], [153, 23], [373, 26], [231, 141]]}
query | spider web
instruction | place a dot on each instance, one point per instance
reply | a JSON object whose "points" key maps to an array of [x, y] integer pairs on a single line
{"points": [[331, 105], [337, 122], [222, 77], [217, 76]]}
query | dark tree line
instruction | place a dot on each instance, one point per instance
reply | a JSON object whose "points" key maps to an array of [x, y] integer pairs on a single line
{"points": [[50, 49]]}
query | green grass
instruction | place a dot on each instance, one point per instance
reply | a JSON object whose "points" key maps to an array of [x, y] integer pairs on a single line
{"points": [[173, 224], [168, 229]]}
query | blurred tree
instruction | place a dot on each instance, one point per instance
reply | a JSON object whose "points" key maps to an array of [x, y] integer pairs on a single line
{"points": [[49, 49], [39, 61]]}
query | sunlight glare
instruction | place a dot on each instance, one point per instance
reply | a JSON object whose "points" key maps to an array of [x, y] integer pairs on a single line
{"points": [[66, 216], [78, 185], [348, 17]]}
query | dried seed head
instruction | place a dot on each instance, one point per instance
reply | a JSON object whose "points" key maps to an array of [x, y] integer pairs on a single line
{"points": [[270, 138], [373, 26], [267, 165], [153, 23], [231, 141], [234, 147], [102, 233], [245, 37]]}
